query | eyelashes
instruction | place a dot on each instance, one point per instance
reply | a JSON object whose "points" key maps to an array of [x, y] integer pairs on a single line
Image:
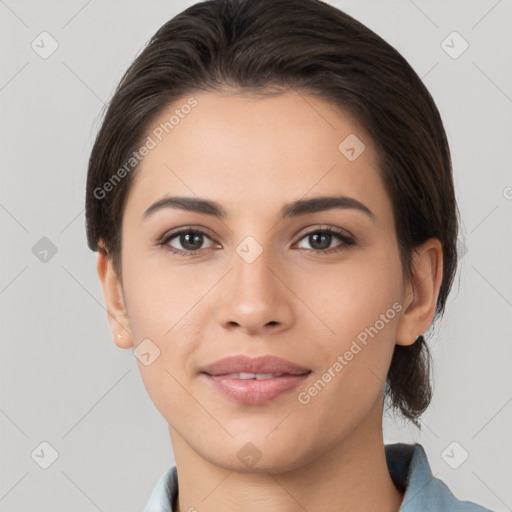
{"points": [[331, 233], [186, 236], [190, 237]]}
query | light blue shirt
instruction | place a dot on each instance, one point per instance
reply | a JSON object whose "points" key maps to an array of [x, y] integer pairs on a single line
{"points": [[409, 470]]}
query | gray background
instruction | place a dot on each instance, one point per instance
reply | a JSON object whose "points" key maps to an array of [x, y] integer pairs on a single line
{"points": [[64, 382]]}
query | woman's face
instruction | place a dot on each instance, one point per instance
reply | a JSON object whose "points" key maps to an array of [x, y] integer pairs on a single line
{"points": [[255, 282]]}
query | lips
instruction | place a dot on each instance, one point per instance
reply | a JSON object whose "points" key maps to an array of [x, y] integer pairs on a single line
{"points": [[254, 381], [269, 365], [257, 376]]}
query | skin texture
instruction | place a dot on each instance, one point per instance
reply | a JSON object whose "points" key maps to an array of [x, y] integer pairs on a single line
{"points": [[252, 155]]}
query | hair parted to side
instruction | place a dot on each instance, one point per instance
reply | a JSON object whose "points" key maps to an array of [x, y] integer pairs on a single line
{"points": [[268, 46]]}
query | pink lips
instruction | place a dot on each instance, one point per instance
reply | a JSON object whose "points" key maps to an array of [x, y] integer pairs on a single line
{"points": [[262, 379]]}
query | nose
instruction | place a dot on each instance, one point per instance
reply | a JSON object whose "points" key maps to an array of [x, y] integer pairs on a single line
{"points": [[255, 297]]}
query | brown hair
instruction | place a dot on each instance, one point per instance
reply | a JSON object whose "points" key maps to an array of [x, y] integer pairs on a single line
{"points": [[257, 46]]}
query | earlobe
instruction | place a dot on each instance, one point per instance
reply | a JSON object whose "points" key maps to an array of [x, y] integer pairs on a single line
{"points": [[420, 297], [114, 301]]}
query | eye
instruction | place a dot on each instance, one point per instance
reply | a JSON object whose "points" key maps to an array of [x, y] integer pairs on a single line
{"points": [[185, 241], [320, 240]]}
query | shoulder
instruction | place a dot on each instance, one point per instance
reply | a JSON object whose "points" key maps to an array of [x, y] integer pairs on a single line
{"points": [[410, 471], [164, 494]]}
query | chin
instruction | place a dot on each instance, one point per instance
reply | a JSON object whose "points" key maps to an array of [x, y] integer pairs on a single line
{"points": [[257, 456]]}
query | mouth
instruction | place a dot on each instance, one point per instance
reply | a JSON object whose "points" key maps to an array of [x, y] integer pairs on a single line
{"points": [[254, 381], [257, 376]]}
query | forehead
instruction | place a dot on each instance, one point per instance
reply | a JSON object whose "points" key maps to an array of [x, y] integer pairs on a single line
{"points": [[245, 150]]}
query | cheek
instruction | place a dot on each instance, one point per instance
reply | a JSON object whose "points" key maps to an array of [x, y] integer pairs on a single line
{"points": [[160, 300], [167, 306], [163, 307], [362, 306], [352, 297], [363, 313]]}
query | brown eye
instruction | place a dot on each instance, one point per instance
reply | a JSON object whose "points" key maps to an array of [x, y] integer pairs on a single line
{"points": [[185, 241], [320, 240]]}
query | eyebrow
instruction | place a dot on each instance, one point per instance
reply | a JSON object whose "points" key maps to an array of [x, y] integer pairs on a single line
{"points": [[294, 209]]}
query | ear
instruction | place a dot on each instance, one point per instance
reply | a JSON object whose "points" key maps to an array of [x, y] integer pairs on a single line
{"points": [[114, 300], [421, 292]]}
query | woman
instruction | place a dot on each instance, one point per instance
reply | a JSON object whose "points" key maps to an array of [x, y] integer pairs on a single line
{"points": [[272, 202]]}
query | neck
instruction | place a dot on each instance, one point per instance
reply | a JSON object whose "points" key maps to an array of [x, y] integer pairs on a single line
{"points": [[351, 475]]}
